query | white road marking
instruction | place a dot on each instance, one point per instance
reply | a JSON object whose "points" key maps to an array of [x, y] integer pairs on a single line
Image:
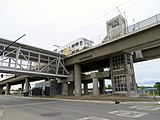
{"points": [[3, 106], [131, 114], [1, 112], [93, 118], [147, 108]]}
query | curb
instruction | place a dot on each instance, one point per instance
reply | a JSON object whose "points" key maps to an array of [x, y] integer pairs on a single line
{"points": [[95, 101]]}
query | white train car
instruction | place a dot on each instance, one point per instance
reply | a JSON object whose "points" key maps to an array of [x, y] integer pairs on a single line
{"points": [[75, 46]]}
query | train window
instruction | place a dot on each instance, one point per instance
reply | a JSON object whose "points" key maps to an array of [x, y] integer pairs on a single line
{"points": [[77, 43], [77, 50], [73, 52], [81, 43], [61, 51], [73, 45]]}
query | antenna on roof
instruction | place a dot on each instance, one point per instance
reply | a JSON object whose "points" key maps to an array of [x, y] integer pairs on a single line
{"points": [[119, 11]]}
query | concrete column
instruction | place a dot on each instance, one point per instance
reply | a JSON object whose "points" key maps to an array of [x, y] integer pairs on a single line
{"points": [[133, 76], [22, 88], [53, 87], [70, 88], [26, 85], [77, 80], [101, 83], [85, 88], [1, 88], [128, 77], [95, 86], [102, 86], [59, 88], [112, 76], [7, 92], [43, 90], [65, 88]]}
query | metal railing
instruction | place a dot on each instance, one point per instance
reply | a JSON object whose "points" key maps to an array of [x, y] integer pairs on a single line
{"points": [[17, 59], [142, 24], [134, 28]]}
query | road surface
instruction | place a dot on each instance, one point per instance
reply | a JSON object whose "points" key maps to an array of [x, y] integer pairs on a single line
{"points": [[20, 108]]}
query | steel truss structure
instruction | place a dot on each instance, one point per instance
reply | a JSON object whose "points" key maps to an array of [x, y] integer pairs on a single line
{"points": [[24, 59]]}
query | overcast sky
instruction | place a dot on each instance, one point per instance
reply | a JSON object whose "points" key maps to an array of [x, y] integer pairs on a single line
{"points": [[57, 22]]}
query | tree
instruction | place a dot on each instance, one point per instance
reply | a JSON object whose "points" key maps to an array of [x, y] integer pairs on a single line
{"points": [[109, 87], [142, 88], [157, 85]]}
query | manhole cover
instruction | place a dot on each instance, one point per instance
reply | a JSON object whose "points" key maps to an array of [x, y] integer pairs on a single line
{"points": [[50, 114]]}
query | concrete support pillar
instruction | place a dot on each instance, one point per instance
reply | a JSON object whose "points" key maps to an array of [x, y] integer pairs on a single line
{"points": [[1, 88], [7, 92], [26, 85], [71, 83], [59, 88], [101, 83], [22, 90], [128, 77], [43, 90], [65, 88], [139, 54], [53, 87], [70, 88], [112, 76], [122, 74], [77, 80], [95, 86], [86, 88], [133, 76], [102, 86]]}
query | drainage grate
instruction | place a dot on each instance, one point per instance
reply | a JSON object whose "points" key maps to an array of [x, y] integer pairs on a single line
{"points": [[50, 114]]}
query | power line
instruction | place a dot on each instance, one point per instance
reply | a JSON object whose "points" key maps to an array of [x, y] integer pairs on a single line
{"points": [[12, 44], [97, 19]]}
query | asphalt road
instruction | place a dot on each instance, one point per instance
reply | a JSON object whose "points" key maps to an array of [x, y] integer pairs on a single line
{"points": [[20, 108]]}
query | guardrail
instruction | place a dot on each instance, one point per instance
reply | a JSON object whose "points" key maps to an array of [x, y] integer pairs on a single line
{"points": [[133, 28], [142, 24]]}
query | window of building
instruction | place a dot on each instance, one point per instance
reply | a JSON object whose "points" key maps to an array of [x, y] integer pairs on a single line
{"points": [[118, 62], [73, 45], [120, 83]]}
